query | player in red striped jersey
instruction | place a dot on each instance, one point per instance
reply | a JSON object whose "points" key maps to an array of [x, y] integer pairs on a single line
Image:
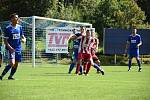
{"points": [[94, 49], [85, 52], [75, 38]]}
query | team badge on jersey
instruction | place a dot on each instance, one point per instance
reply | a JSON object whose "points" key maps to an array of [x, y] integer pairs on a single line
{"points": [[133, 41], [16, 36]]}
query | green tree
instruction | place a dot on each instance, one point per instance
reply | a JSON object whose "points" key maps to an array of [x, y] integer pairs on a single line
{"points": [[62, 10], [24, 8], [118, 14], [87, 9], [144, 4]]}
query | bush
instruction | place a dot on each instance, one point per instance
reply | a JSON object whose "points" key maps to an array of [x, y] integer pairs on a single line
{"points": [[65, 61], [109, 59]]}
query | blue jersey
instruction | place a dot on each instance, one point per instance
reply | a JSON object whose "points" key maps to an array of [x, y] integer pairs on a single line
{"points": [[13, 36], [76, 43], [133, 49], [134, 41]]}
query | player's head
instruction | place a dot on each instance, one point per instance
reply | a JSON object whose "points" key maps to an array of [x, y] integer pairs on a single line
{"points": [[76, 33], [92, 33], [14, 18], [134, 30], [88, 34], [82, 30]]}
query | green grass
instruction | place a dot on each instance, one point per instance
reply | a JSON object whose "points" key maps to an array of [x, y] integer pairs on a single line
{"points": [[51, 82]]}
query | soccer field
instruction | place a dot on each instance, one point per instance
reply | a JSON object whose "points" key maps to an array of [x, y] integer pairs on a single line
{"points": [[51, 82]]}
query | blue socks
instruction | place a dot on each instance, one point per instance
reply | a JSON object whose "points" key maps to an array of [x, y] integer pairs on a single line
{"points": [[96, 66], [13, 70], [7, 68], [71, 67], [139, 64], [80, 69], [129, 65]]}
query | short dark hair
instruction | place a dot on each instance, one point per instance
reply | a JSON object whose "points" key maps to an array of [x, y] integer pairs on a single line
{"points": [[13, 15], [87, 30]]}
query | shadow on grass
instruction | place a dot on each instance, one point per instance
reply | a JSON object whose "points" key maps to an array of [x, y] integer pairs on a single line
{"points": [[119, 71], [53, 74]]}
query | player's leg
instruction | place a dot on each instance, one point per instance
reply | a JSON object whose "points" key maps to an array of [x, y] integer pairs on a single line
{"points": [[97, 61], [98, 67], [71, 56], [130, 62], [14, 68], [0, 59], [72, 65], [137, 56], [13, 71], [85, 66], [11, 64], [78, 66], [90, 61], [76, 58], [139, 63], [88, 67], [79, 62], [96, 64], [81, 71], [0, 56]]}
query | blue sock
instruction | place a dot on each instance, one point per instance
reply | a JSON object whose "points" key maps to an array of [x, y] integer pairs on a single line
{"points": [[129, 65], [71, 67], [80, 69], [96, 66], [7, 68], [13, 70], [139, 63]]}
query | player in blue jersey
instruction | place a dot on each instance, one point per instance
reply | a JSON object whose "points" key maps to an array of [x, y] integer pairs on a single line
{"points": [[75, 47], [132, 46], [13, 36]]}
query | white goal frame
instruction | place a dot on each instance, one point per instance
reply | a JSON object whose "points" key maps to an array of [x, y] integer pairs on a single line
{"points": [[55, 20]]}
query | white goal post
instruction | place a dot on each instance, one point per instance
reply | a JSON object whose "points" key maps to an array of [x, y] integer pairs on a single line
{"points": [[73, 24]]}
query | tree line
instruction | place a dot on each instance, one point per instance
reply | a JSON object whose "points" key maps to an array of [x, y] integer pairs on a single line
{"points": [[101, 13]]}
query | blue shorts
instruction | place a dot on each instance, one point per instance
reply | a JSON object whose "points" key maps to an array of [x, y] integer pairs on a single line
{"points": [[75, 55], [16, 55], [134, 53]]}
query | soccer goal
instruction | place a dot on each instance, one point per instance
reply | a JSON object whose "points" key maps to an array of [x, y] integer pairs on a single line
{"points": [[46, 38]]}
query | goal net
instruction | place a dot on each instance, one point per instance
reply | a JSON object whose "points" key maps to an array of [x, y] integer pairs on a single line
{"points": [[46, 38]]}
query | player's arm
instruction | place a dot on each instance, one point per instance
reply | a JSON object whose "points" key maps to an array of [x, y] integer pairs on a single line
{"points": [[140, 43], [69, 45], [6, 37], [72, 37], [23, 39], [8, 45], [127, 46]]}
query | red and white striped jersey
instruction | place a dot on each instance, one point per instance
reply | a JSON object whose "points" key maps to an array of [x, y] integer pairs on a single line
{"points": [[86, 44], [95, 45]]}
